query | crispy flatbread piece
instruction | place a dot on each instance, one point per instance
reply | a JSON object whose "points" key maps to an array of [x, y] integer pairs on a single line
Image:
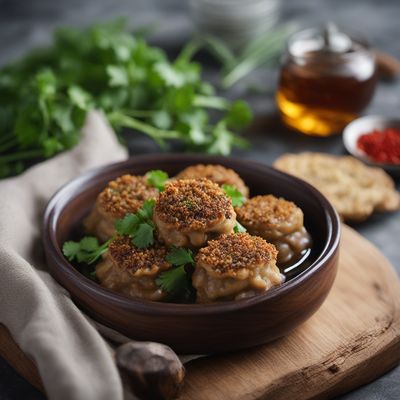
{"points": [[354, 189]]}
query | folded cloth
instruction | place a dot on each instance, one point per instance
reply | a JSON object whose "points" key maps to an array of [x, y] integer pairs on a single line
{"points": [[74, 361]]}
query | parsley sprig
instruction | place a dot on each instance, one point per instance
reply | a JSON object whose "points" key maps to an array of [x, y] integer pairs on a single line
{"points": [[235, 195], [157, 179], [176, 280], [139, 226]]}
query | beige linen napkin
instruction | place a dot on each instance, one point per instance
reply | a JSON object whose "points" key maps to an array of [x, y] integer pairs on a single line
{"points": [[73, 359]]}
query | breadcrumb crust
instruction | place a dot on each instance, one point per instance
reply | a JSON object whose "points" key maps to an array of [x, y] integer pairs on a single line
{"points": [[215, 173], [193, 204], [125, 194], [233, 252], [129, 258], [268, 210]]}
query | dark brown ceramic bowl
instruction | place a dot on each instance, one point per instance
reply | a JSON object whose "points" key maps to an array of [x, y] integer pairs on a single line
{"points": [[193, 328]]}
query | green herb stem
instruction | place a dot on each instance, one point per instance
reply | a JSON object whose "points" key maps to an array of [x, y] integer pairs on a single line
{"points": [[126, 121], [218, 103], [244, 68], [7, 137], [259, 52], [220, 50], [189, 50], [101, 250], [22, 155], [8, 145], [138, 113]]}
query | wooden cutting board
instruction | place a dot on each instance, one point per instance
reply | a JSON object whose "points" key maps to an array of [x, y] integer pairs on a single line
{"points": [[353, 339]]}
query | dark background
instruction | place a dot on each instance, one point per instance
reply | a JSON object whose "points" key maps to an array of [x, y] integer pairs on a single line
{"points": [[26, 24]]}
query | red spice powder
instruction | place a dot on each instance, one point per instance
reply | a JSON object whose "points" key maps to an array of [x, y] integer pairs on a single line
{"points": [[381, 146]]}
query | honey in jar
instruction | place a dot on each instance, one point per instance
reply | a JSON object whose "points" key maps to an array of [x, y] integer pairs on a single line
{"points": [[327, 79]]}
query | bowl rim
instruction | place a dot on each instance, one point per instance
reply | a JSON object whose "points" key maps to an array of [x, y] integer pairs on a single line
{"points": [[351, 133], [54, 209]]}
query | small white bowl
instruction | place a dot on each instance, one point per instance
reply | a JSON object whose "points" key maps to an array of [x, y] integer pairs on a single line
{"points": [[364, 125]]}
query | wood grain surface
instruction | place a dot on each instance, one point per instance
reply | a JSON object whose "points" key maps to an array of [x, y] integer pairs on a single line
{"points": [[351, 340]]}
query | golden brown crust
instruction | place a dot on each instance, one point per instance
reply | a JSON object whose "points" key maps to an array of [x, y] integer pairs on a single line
{"points": [[127, 257], [215, 173], [231, 253], [268, 207], [192, 205], [354, 189], [125, 194], [270, 212], [279, 222]]}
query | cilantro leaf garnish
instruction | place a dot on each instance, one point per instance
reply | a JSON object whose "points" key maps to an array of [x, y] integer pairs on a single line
{"points": [[234, 194], [138, 226], [146, 211], [239, 228], [87, 250], [157, 179], [71, 249], [176, 280], [144, 236], [89, 243], [180, 256], [127, 225]]}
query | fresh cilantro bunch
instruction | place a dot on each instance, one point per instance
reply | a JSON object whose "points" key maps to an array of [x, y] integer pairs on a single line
{"points": [[139, 226], [176, 281], [44, 98]]}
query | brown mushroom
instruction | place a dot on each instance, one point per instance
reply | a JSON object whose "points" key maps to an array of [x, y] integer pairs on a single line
{"points": [[151, 370]]}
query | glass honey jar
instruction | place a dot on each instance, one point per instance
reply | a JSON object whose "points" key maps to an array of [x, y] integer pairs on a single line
{"points": [[327, 78]]}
